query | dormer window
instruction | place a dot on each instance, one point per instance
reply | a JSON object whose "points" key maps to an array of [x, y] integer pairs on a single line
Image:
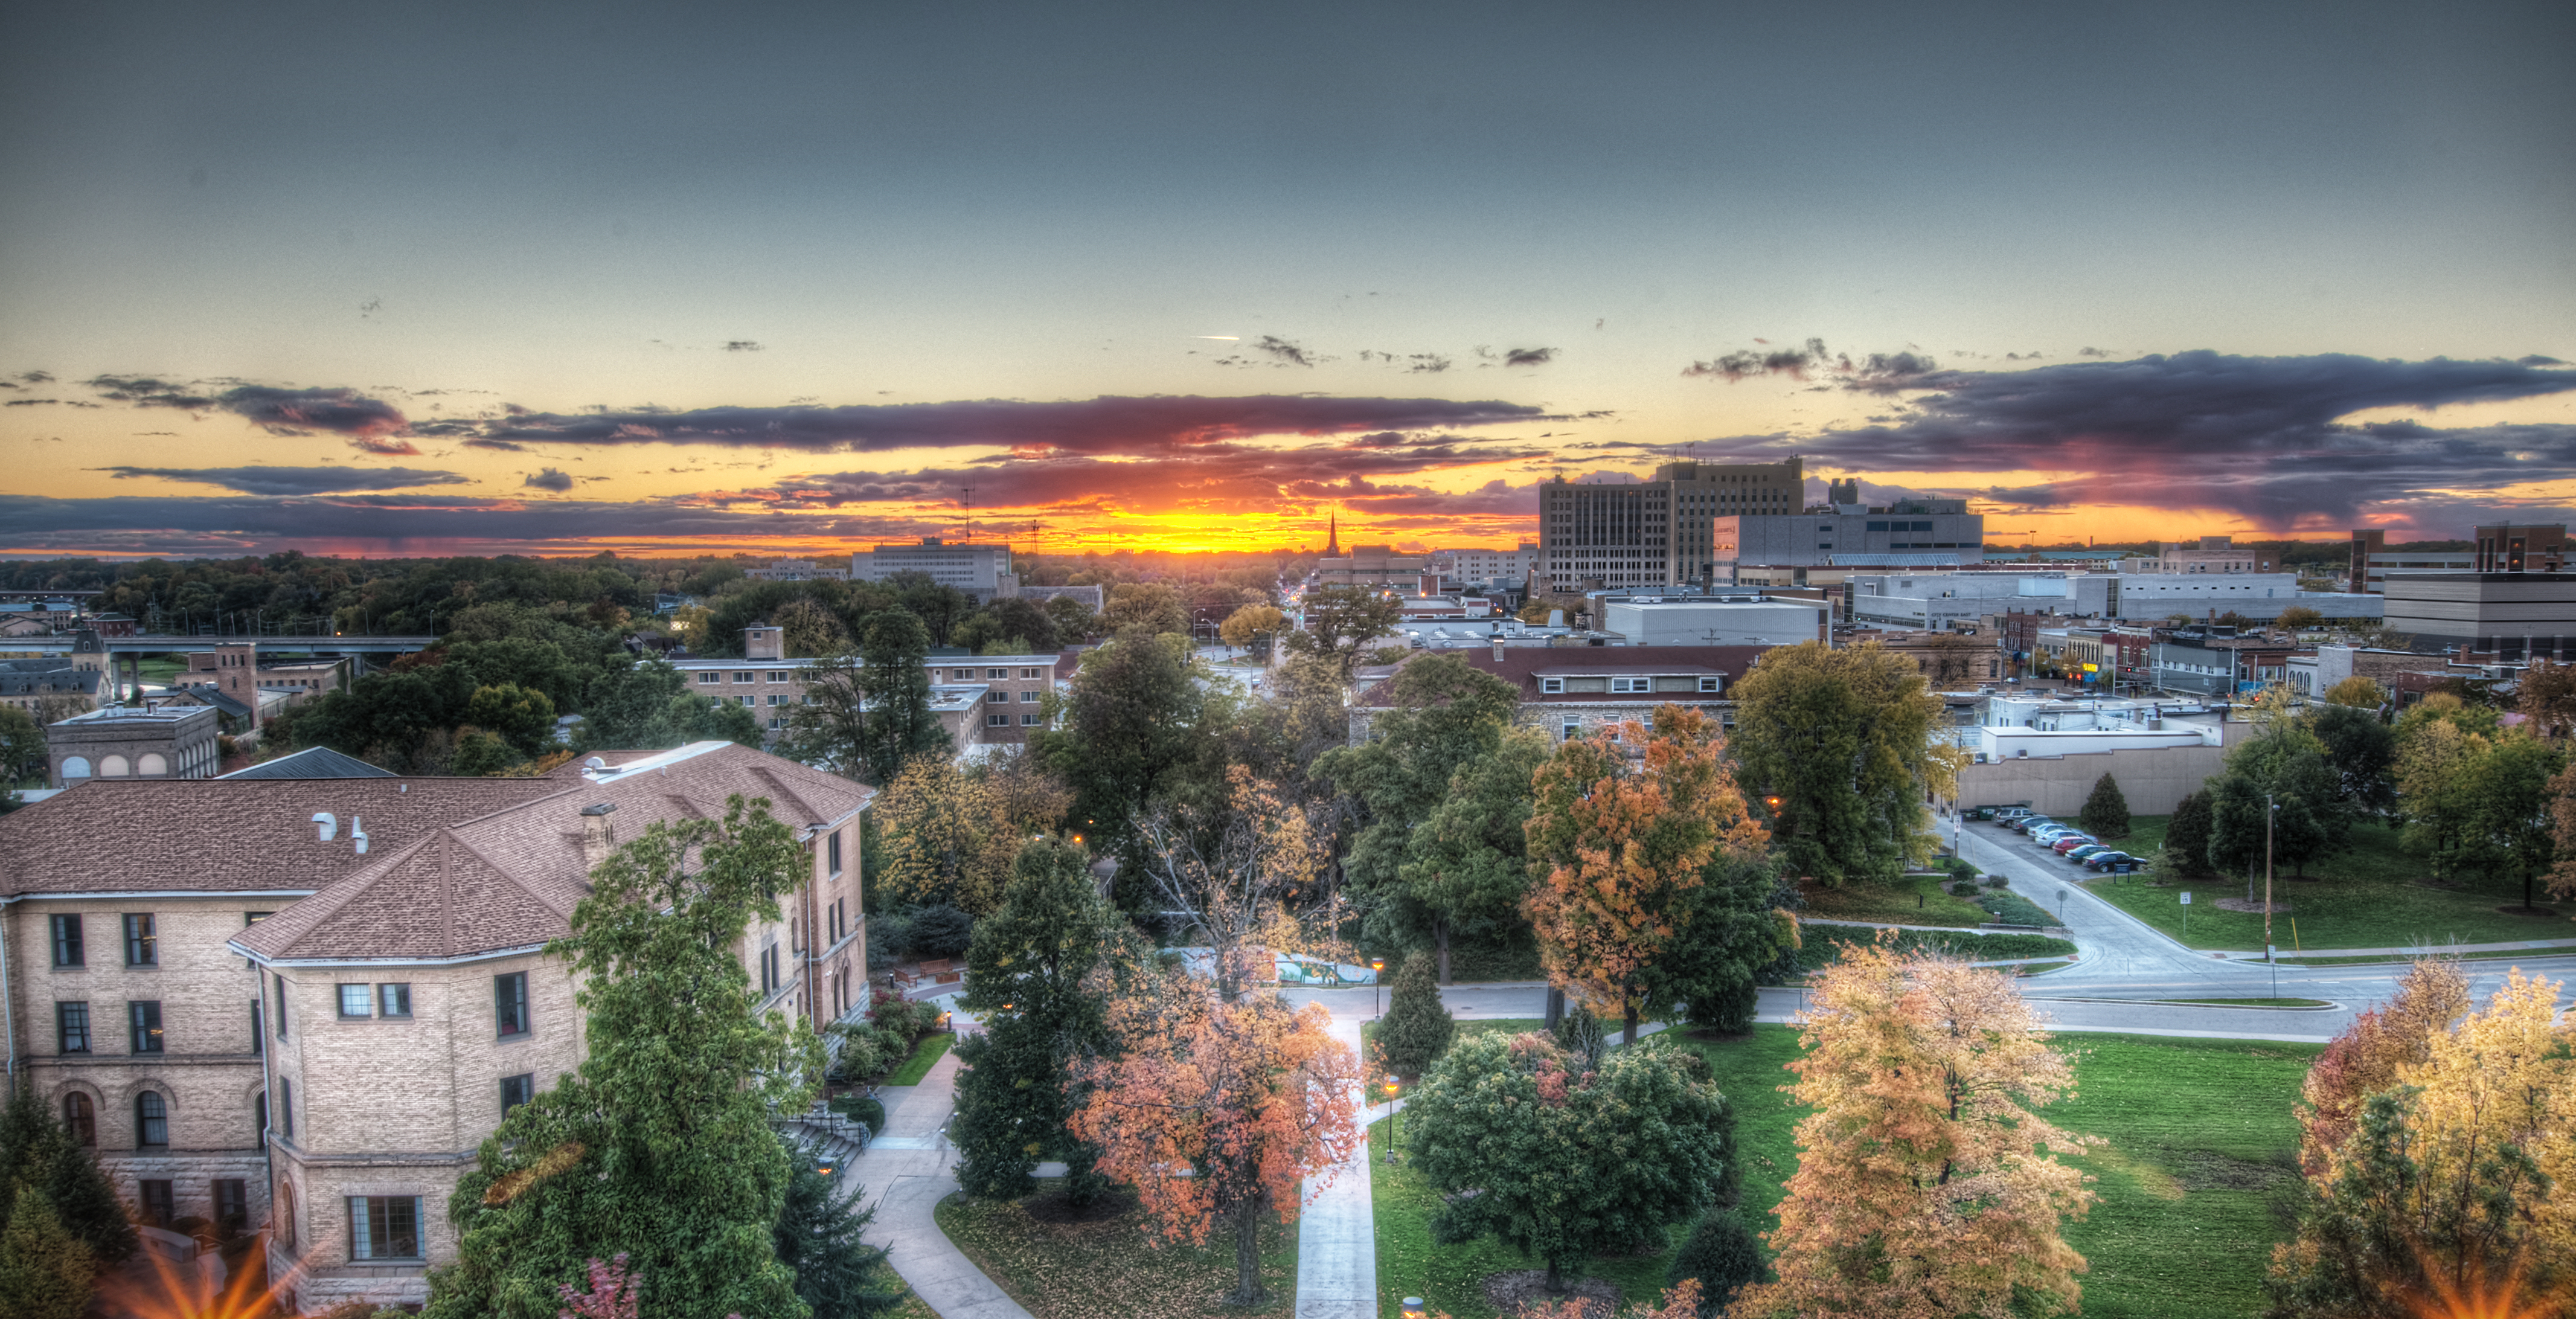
{"points": [[1708, 684], [1632, 684], [1551, 685]]}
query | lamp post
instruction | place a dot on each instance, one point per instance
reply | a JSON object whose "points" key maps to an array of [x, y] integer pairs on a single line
{"points": [[1377, 984], [2270, 809], [1413, 1308], [1394, 1120]]}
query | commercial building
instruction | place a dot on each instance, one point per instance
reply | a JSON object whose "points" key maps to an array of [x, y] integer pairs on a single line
{"points": [[1728, 621], [796, 570], [1673, 530], [1571, 691], [2536, 547], [1922, 534], [2373, 561], [1940, 600], [1490, 568], [2213, 554], [2511, 616], [2216, 662], [981, 571], [1378, 565], [154, 741], [2049, 753]]}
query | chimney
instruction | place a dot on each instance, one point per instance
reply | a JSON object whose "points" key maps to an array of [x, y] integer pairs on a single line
{"points": [[598, 836], [1498, 649]]}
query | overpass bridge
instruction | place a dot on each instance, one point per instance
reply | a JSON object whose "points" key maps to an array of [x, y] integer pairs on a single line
{"points": [[321, 646]]}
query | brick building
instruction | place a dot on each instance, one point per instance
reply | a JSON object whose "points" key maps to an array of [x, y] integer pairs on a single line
{"points": [[1569, 691], [154, 741], [982, 700]]}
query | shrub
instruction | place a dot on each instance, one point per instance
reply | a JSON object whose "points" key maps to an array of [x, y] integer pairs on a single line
{"points": [[904, 1019], [866, 1050], [889, 936], [941, 931], [1418, 1027], [863, 1109], [1724, 1256], [1966, 888]]}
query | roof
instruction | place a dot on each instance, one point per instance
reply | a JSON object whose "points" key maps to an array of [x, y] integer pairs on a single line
{"points": [[510, 878], [1627, 671], [226, 835], [1522, 666], [311, 763]]}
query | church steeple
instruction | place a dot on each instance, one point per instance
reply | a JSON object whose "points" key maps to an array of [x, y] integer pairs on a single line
{"points": [[1333, 536]]}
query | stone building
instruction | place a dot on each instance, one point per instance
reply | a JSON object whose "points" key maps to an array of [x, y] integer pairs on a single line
{"points": [[47, 682], [982, 700], [241, 672], [155, 741], [1570, 691]]}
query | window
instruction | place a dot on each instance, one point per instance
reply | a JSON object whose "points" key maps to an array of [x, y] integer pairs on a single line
{"points": [[357, 1001], [393, 1000], [744, 676], [160, 1208], [71, 1027], [776, 675], [281, 1004], [141, 947], [997, 673], [80, 1119], [749, 700], [1632, 684], [778, 698], [997, 698], [143, 1024], [1029, 718], [710, 679], [769, 969], [232, 1206], [997, 720], [510, 1004], [1573, 730], [1708, 684], [832, 853], [68, 949], [286, 1214], [1551, 685], [1029, 697], [151, 1121], [517, 1090], [384, 1227], [286, 1108], [1032, 673], [258, 1034]]}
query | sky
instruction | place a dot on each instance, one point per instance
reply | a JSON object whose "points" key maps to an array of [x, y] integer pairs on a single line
{"points": [[800, 278]]}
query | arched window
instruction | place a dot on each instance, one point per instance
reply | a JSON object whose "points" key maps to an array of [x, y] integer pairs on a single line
{"points": [[75, 767], [286, 1215], [114, 767], [152, 765], [80, 1118], [151, 1121]]}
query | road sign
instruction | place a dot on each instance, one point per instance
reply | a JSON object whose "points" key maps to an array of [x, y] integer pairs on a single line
{"points": [[2186, 899]]}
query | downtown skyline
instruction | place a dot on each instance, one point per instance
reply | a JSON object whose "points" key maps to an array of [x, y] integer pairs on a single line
{"points": [[790, 280]]}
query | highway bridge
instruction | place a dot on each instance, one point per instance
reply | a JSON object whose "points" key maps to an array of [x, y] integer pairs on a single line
{"points": [[166, 643]]}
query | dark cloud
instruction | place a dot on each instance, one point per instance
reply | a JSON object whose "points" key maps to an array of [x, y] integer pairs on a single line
{"points": [[2256, 436], [295, 480], [2537, 360], [1288, 353], [340, 411], [419, 524], [505, 445], [742, 346], [387, 445], [1529, 356], [2092, 352], [549, 479], [36, 377]]}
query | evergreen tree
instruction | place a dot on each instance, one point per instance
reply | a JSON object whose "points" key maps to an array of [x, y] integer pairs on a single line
{"points": [[895, 684], [2186, 851], [45, 1271], [818, 1235], [1037, 970], [1724, 1255], [659, 1148], [1417, 1028], [35, 1148], [2106, 812]]}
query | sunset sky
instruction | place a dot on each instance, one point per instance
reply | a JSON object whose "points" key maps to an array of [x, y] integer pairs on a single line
{"points": [[661, 279]]}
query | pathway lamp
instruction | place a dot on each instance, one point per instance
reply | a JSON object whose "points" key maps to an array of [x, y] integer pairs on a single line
{"points": [[1413, 1308], [1377, 982]]}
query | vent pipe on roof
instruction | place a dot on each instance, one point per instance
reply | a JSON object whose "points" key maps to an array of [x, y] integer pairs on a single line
{"points": [[598, 836], [330, 824]]}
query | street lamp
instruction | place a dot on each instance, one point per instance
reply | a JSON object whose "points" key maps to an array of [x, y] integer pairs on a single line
{"points": [[1377, 980], [1413, 1308], [1394, 1120]]}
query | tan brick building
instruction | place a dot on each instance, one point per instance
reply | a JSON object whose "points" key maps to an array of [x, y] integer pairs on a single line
{"points": [[982, 700], [355, 967]]}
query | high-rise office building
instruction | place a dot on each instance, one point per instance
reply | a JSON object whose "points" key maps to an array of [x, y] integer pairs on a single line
{"points": [[1660, 532]]}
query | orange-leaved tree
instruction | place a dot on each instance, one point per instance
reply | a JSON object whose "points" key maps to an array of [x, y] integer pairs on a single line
{"points": [[1622, 842], [2364, 1060], [1231, 873], [1925, 1186], [1215, 1111]]}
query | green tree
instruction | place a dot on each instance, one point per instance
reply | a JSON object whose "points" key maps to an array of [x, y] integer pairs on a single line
{"points": [[2186, 851], [1564, 1164], [45, 1271], [715, 719], [1039, 972], [526, 719], [1150, 606], [809, 629], [1129, 735], [36, 1149], [1417, 1027], [2362, 752], [2286, 763], [659, 1147], [1447, 714], [820, 1236], [482, 755], [1837, 743], [1343, 623], [1724, 1256], [895, 683], [2504, 815], [1467, 864], [1738, 928], [629, 707], [22, 748], [2106, 812]]}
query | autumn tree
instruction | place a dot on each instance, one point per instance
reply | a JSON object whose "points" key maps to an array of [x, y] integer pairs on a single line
{"points": [[1151, 606], [2365, 1059], [2546, 695], [1626, 846], [1842, 738], [1926, 1186], [1216, 1110], [1342, 622], [2358, 692], [2299, 616], [2562, 831], [952, 835], [1230, 874], [1445, 715], [1250, 623], [1562, 1163], [2459, 1183]]}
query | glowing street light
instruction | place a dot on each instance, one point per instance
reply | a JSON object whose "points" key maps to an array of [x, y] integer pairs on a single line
{"points": [[1413, 1308], [1394, 1120], [1377, 978]]}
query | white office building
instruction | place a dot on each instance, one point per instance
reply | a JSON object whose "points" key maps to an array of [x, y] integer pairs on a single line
{"points": [[980, 570]]}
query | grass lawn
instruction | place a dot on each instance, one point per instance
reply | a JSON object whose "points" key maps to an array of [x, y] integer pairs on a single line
{"points": [[923, 1055], [1110, 1269], [1823, 943], [2203, 1137], [1915, 900], [2368, 897]]}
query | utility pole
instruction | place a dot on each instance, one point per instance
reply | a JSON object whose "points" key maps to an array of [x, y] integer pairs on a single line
{"points": [[2268, 811]]}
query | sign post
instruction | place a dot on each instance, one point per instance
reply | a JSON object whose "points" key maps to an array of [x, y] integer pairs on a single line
{"points": [[2186, 919]]}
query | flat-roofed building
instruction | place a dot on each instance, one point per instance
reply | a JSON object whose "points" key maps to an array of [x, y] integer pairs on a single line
{"points": [[2511, 616], [981, 570], [152, 741], [1675, 529], [1005, 707]]}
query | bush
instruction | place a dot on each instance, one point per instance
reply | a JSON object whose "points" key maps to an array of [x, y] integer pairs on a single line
{"points": [[1959, 867], [1724, 1256], [941, 931], [1996, 881], [867, 1050], [1418, 1027], [904, 1019], [1729, 1012], [863, 1109], [889, 934]]}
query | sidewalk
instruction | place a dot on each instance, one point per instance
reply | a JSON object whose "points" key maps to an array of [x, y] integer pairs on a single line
{"points": [[908, 1167], [1337, 1233]]}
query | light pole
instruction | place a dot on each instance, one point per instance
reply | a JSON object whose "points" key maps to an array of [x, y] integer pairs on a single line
{"points": [[1377, 982], [2269, 810], [1394, 1120]]}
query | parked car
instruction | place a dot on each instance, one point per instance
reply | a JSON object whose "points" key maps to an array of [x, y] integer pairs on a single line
{"points": [[2087, 850], [2049, 833], [2022, 824], [2070, 842], [2113, 863]]}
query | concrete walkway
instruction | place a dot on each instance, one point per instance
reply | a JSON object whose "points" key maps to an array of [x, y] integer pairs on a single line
{"points": [[1337, 1232], [908, 1166]]}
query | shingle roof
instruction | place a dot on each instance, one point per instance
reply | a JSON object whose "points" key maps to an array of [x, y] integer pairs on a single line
{"points": [[511, 878], [311, 763], [228, 835]]}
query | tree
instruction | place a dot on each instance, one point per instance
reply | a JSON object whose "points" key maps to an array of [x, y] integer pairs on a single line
{"points": [[1842, 739], [953, 836], [1342, 622], [1229, 874], [2562, 818], [2297, 617], [1250, 623], [2357, 691], [895, 685], [819, 1236], [1724, 1257], [2106, 812], [1738, 927], [1040, 973], [1216, 1111], [1150, 606], [1012, 627], [37, 1150], [45, 1271], [1467, 863], [1417, 1027], [1623, 848], [1130, 731], [524, 719], [2286, 764], [2368, 1056], [1925, 1187], [659, 1146], [1564, 1164], [2362, 751], [2457, 1192], [2504, 823], [629, 707], [22, 748], [2547, 697], [1073, 619], [808, 629], [2186, 850], [1446, 714]]}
